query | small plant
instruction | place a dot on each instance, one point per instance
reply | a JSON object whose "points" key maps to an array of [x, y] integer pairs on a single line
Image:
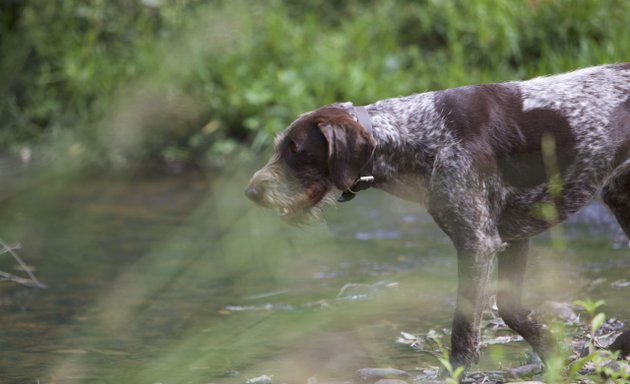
{"points": [[555, 365], [453, 373], [589, 305], [596, 320], [598, 364], [601, 364]]}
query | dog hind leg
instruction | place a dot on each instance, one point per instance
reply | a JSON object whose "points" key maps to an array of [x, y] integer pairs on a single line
{"points": [[616, 195], [512, 263]]}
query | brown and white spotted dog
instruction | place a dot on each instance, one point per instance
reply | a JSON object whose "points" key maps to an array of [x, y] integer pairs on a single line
{"points": [[494, 164]]}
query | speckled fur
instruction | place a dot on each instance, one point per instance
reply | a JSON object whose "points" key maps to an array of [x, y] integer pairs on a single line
{"points": [[463, 152]]}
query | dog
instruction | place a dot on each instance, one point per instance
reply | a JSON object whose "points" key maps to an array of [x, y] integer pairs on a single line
{"points": [[494, 164]]}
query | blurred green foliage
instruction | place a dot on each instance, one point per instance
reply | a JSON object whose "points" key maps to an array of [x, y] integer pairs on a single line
{"points": [[122, 81]]}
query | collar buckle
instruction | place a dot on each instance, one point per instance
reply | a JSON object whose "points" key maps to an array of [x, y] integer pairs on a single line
{"points": [[361, 183]]}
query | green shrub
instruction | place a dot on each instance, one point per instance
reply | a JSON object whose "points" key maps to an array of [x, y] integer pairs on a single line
{"points": [[191, 79]]}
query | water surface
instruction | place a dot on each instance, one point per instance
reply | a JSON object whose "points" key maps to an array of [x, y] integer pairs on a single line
{"points": [[179, 279]]}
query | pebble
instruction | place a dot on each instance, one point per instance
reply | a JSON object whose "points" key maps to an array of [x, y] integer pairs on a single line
{"points": [[526, 370]]}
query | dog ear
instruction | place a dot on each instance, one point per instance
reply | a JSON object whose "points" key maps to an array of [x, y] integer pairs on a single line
{"points": [[350, 147]]}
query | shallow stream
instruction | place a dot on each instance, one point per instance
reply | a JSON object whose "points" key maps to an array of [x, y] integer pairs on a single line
{"points": [[180, 279]]}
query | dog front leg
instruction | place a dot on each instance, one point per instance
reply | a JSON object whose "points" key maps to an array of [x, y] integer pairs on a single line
{"points": [[474, 270], [477, 242], [463, 204]]}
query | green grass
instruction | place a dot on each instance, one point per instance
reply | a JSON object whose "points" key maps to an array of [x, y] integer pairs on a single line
{"points": [[185, 81]]}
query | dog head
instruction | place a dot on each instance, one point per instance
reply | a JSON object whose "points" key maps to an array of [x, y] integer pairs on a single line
{"points": [[320, 153]]}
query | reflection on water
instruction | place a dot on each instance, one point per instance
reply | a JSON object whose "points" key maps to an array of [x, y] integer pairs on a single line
{"points": [[180, 279]]}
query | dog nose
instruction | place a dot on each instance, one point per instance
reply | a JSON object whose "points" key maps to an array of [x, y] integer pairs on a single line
{"points": [[253, 193]]}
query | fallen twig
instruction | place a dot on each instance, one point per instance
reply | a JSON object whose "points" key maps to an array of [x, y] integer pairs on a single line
{"points": [[21, 280], [32, 281]]}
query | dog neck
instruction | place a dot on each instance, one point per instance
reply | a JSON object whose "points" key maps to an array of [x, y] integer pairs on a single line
{"points": [[411, 128], [365, 179]]}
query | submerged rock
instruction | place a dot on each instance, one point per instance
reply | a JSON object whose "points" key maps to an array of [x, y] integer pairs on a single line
{"points": [[391, 381], [359, 291], [374, 374], [263, 379], [558, 309]]}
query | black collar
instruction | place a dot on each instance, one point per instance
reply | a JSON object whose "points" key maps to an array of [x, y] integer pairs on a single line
{"points": [[365, 178]]}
